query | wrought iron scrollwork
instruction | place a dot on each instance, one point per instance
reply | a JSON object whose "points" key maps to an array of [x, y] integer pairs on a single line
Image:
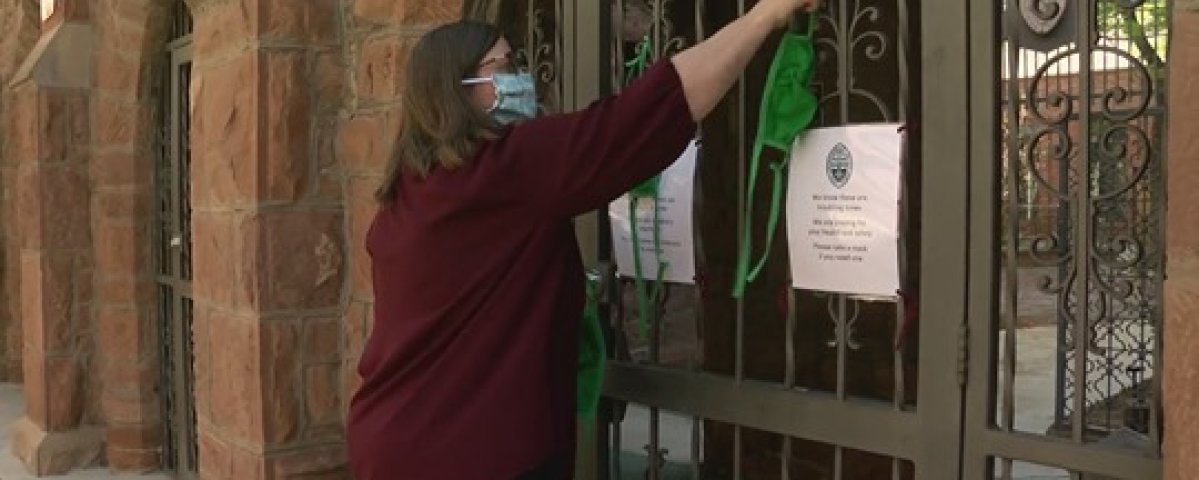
{"points": [[1093, 152], [856, 34], [1042, 16]]}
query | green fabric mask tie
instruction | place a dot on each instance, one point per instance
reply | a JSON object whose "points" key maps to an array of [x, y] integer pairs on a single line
{"points": [[590, 375], [647, 191], [788, 107]]}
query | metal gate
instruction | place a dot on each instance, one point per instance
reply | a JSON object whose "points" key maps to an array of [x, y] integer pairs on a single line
{"points": [[173, 254], [782, 383], [799, 385], [1075, 101]]}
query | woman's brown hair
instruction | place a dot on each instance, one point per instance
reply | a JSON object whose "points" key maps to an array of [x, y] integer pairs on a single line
{"points": [[439, 126]]}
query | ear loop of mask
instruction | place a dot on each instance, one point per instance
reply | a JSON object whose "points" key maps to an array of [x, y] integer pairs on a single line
{"points": [[469, 82], [744, 275]]}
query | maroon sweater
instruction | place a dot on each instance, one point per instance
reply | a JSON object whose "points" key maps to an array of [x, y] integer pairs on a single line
{"points": [[469, 372]]}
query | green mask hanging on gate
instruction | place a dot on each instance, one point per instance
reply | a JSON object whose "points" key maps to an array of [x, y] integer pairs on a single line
{"points": [[590, 375], [788, 107]]}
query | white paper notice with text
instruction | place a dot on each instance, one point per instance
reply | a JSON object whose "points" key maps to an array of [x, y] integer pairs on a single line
{"points": [[843, 209], [674, 204]]}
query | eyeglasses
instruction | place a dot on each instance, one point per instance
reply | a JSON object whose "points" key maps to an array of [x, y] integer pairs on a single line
{"points": [[507, 63]]}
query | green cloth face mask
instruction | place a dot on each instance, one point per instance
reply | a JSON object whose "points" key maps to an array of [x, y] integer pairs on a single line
{"points": [[590, 374], [788, 107], [645, 191], [589, 378]]}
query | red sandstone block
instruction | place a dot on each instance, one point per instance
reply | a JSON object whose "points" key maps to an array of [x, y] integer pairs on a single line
{"points": [[362, 207], [274, 242], [406, 12], [322, 394], [310, 21], [221, 26], [361, 143], [381, 61], [225, 132], [287, 127], [281, 381]]}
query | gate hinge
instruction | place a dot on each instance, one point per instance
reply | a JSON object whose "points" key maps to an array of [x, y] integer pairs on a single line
{"points": [[963, 354]]}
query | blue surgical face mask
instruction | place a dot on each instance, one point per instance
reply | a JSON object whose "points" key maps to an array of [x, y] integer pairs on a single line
{"points": [[515, 96]]}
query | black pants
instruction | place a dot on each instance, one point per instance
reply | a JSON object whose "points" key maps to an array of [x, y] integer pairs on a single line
{"points": [[551, 469]]}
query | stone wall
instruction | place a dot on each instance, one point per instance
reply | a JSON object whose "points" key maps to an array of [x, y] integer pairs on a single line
{"points": [[1181, 379]]}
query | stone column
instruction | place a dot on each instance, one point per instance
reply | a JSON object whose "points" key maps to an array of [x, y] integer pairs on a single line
{"points": [[1181, 338], [49, 142], [21, 25], [130, 40], [268, 239]]}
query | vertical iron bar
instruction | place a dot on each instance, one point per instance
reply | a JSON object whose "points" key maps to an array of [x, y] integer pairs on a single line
{"points": [[738, 361], [621, 339], [789, 374], [178, 437], [1065, 234], [1010, 270], [738, 366], [168, 401], [1082, 247], [843, 59], [838, 471], [843, 80], [653, 464], [617, 74], [654, 458], [659, 16], [530, 46], [901, 52], [560, 57], [898, 390], [842, 344], [842, 358], [1157, 211], [696, 421], [1157, 339], [696, 438], [617, 63]]}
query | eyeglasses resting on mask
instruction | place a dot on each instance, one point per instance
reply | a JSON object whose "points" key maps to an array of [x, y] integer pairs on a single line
{"points": [[515, 96]]}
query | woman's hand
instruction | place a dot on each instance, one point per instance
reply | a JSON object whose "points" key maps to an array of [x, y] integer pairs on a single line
{"points": [[779, 12], [710, 68]]}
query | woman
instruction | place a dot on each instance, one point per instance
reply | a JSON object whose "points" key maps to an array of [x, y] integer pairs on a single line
{"points": [[470, 367]]}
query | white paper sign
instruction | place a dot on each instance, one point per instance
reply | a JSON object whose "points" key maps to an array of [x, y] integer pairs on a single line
{"points": [[675, 222], [843, 210]]}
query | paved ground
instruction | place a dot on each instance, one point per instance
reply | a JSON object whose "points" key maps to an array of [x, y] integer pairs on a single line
{"points": [[11, 407]]}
